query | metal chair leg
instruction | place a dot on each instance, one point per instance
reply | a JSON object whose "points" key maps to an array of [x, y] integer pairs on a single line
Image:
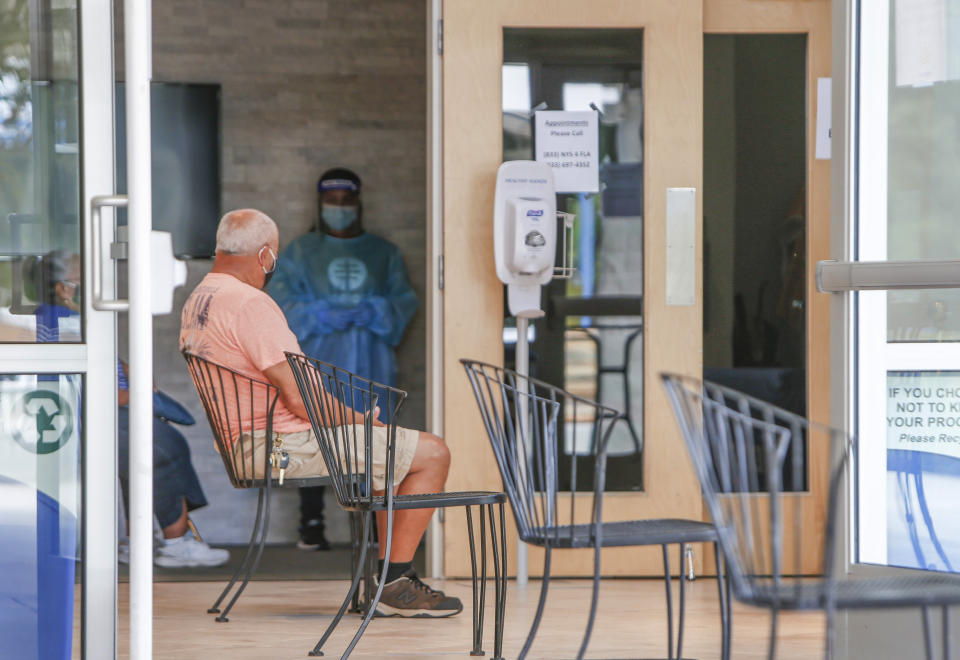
{"points": [[666, 580], [499, 582], [544, 586], [927, 633], [354, 584], [945, 612], [356, 533], [725, 606], [372, 554], [594, 598], [252, 565], [477, 650], [372, 607], [483, 579], [772, 646], [215, 608], [683, 584]]}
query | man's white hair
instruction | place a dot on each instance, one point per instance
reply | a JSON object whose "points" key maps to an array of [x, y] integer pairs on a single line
{"points": [[245, 231]]}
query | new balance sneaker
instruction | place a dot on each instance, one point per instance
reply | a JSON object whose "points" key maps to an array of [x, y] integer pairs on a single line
{"points": [[408, 596], [312, 536], [189, 551]]}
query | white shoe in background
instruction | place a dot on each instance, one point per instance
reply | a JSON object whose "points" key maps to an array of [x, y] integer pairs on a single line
{"points": [[123, 545], [123, 550], [188, 551]]}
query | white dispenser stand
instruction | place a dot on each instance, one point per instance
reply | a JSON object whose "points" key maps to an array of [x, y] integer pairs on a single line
{"points": [[525, 247]]}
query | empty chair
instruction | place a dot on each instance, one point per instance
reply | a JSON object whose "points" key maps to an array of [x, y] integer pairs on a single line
{"points": [[229, 399], [533, 427], [748, 456], [328, 392]]}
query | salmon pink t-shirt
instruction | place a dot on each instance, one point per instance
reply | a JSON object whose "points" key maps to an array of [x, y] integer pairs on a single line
{"points": [[233, 324]]}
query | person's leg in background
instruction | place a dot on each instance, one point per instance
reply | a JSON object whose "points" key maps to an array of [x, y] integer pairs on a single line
{"points": [[312, 527], [176, 491]]}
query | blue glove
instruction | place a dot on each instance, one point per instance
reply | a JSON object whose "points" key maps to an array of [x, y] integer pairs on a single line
{"points": [[336, 318], [364, 314]]}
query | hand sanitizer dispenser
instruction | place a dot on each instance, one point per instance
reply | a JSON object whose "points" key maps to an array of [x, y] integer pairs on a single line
{"points": [[525, 233]]}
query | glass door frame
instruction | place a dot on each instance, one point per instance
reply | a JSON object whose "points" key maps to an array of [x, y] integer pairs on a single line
{"points": [[95, 358], [861, 51]]}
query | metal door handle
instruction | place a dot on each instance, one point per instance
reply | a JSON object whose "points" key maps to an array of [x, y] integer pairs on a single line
{"points": [[841, 276], [97, 203]]}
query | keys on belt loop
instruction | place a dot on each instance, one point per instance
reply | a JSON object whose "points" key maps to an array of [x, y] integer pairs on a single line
{"points": [[279, 458]]}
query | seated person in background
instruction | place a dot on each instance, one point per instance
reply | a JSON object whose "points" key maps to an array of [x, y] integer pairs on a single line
{"points": [[176, 488], [229, 320]]}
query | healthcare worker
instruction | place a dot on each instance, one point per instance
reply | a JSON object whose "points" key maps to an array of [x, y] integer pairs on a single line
{"points": [[347, 297]]}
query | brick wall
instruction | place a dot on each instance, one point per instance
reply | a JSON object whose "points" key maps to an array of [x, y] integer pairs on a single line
{"points": [[306, 85]]}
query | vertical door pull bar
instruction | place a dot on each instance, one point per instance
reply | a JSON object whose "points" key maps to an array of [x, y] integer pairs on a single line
{"points": [[97, 203]]}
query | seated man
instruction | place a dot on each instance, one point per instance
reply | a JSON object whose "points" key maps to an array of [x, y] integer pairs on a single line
{"points": [[229, 320]]}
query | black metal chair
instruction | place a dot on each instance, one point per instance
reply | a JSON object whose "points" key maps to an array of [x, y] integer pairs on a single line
{"points": [[328, 393], [531, 424], [742, 447], [229, 399]]}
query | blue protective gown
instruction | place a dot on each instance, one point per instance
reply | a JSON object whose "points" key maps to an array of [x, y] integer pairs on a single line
{"points": [[348, 301]]}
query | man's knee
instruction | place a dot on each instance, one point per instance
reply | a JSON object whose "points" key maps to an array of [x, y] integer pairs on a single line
{"points": [[434, 450]]}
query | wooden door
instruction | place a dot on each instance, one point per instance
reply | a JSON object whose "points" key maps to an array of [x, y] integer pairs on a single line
{"points": [[672, 62], [812, 19]]}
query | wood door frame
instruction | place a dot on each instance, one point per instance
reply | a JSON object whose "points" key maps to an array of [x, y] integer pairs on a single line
{"points": [[472, 323], [812, 18]]}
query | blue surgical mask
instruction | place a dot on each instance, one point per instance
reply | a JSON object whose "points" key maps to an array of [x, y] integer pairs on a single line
{"points": [[339, 218]]}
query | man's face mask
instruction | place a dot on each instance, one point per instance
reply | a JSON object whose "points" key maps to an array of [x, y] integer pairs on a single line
{"points": [[339, 218], [267, 274]]}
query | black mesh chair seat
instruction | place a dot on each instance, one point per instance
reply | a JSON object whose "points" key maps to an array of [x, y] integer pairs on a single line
{"points": [[869, 593], [626, 533], [333, 397], [439, 500], [531, 425], [749, 457]]}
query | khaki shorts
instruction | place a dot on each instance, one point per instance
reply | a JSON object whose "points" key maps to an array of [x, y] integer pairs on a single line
{"points": [[306, 460]]}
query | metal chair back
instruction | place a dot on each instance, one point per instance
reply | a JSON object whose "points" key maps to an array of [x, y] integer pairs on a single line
{"points": [[330, 395], [233, 403], [534, 426], [751, 458]]}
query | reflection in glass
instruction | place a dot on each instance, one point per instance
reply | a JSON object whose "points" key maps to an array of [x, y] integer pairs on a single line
{"points": [[754, 215], [923, 159], [39, 518], [39, 173], [592, 331]]}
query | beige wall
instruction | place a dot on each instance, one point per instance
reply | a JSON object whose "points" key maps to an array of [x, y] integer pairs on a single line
{"points": [[306, 85]]}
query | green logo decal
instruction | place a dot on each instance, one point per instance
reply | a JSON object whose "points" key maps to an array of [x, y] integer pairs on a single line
{"points": [[44, 422]]}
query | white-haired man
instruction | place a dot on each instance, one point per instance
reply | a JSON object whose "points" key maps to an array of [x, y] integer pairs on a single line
{"points": [[229, 320]]}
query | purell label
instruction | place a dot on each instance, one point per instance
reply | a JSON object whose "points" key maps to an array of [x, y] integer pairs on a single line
{"points": [[536, 213]]}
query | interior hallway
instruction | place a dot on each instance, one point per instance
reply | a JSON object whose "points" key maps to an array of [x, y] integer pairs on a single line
{"points": [[283, 620]]}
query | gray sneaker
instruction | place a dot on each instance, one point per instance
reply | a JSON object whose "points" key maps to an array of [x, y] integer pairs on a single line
{"points": [[408, 596]]}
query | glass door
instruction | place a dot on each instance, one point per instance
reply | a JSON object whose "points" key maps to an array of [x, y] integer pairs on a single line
{"points": [[57, 354], [908, 391]]}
